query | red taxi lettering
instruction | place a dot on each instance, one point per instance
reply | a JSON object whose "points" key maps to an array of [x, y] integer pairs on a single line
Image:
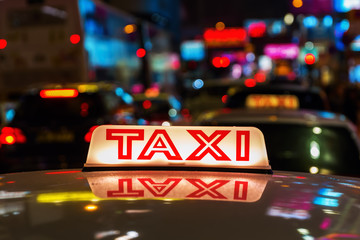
{"points": [[160, 142], [207, 189], [126, 190], [243, 145], [159, 189], [241, 189], [208, 144], [125, 138]]}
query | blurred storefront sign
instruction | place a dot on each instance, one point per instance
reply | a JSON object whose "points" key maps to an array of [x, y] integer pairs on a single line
{"points": [[282, 51], [228, 37]]}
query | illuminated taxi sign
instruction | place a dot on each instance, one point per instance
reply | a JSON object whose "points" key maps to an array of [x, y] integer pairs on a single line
{"points": [[180, 146], [272, 101], [175, 186], [59, 93]]}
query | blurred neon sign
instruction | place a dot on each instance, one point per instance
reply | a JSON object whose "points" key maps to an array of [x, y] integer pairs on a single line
{"points": [[192, 50], [282, 51], [226, 37], [346, 5]]}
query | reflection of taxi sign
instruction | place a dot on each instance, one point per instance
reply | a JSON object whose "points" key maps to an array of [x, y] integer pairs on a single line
{"points": [[272, 101], [169, 186], [118, 146]]}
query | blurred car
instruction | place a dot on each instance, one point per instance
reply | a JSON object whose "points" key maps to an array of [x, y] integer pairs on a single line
{"points": [[154, 108], [207, 95], [52, 125], [299, 140], [162, 200], [278, 95]]}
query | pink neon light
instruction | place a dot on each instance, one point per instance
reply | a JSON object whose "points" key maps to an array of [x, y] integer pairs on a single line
{"points": [[282, 51]]}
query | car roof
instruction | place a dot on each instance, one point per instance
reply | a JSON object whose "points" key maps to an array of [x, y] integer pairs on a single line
{"points": [[280, 115], [289, 205]]}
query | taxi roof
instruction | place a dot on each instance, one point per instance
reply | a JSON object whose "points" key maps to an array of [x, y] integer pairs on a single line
{"points": [[66, 204], [281, 115]]}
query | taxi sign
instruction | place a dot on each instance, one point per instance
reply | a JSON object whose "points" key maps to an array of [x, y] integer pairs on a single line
{"points": [[175, 148], [272, 101], [172, 186]]}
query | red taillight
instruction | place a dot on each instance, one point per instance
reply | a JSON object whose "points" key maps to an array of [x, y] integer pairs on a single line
{"points": [[11, 135], [59, 93], [88, 135]]}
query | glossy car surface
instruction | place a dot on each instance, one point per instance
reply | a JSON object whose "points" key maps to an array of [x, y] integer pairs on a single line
{"points": [[177, 205], [299, 140]]}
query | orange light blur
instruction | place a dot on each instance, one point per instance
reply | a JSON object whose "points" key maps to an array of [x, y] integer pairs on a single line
{"points": [[130, 28], [90, 207], [75, 38], [59, 93], [220, 26], [3, 43], [309, 59], [297, 3]]}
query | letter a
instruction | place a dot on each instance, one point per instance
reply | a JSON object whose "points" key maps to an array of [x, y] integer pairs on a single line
{"points": [[160, 142]]}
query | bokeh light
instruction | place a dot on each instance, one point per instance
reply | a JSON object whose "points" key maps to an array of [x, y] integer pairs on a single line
{"points": [[130, 28], [250, 82], [220, 26], [3, 43], [289, 19], [141, 52], [297, 3], [75, 38], [309, 59]]}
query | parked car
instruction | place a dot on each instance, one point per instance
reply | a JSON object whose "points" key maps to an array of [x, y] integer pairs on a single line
{"points": [[278, 95], [299, 140], [52, 124]]}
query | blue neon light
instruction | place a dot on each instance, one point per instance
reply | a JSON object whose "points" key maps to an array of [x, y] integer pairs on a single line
{"points": [[192, 50], [344, 25], [328, 192], [86, 6], [328, 21], [310, 22], [346, 5], [328, 202], [354, 74]]}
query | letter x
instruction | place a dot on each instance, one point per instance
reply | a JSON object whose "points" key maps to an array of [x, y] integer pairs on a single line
{"points": [[209, 189], [208, 144]]}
